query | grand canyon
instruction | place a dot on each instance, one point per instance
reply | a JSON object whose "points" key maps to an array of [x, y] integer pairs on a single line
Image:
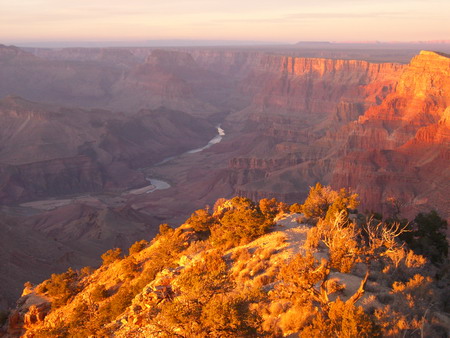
{"points": [[99, 146]]}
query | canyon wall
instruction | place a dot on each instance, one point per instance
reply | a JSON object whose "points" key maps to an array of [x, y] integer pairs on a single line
{"points": [[401, 147], [301, 120], [380, 129], [50, 151]]}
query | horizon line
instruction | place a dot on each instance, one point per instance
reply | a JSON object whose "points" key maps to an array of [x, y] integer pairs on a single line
{"points": [[199, 43]]}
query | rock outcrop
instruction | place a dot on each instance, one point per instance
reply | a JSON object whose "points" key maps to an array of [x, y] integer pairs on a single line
{"points": [[400, 148]]}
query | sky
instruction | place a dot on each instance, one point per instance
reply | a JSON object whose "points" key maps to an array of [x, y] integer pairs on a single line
{"points": [[284, 21]]}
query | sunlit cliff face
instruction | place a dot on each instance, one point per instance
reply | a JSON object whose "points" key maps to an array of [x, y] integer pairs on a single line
{"points": [[408, 129]]}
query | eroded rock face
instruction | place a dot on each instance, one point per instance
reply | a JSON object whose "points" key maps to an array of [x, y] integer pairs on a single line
{"points": [[294, 117], [304, 119], [312, 88], [30, 310], [382, 130], [50, 178], [50, 151], [400, 148]]}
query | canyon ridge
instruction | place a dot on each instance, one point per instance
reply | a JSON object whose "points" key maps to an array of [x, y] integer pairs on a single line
{"points": [[88, 135]]}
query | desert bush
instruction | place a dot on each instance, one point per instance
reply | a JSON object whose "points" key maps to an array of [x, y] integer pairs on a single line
{"points": [[241, 223], [241, 255], [130, 267], [165, 229], [99, 293], [314, 238], [138, 246], [111, 256], [257, 267], [79, 321], [219, 207], [196, 247], [270, 208], [86, 271], [243, 276], [180, 318], [416, 294], [264, 253], [120, 301], [171, 244], [205, 278], [201, 220], [230, 316], [408, 304], [61, 287], [263, 280], [299, 277], [341, 238], [341, 320], [324, 202], [280, 240], [295, 208], [428, 238], [342, 202], [334, 285], [295, 318]]}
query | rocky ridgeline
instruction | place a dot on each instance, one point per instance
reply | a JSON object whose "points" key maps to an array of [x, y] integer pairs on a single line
{"points": [[275, 283]]}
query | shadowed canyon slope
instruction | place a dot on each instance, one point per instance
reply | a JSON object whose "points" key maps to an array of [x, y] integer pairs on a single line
{"points": [[50, 151], [88, 125]]}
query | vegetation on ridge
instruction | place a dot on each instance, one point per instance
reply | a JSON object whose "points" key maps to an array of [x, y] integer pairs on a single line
{"points": [[246, 269]]}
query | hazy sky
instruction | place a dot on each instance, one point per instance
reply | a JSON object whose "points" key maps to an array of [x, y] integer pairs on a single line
{"points": [[262, 20]]}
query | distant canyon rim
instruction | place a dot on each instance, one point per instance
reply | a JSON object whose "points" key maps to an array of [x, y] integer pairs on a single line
{"points": [[88, 125]]}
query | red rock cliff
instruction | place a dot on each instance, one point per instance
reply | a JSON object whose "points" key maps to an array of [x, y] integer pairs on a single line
{"points": [[401, 147]]}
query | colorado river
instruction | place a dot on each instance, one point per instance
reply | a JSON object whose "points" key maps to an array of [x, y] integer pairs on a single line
{"points": [[215, 140], [157, 184]]}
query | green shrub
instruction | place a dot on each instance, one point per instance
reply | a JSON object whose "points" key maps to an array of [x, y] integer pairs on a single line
{"points": [[296, 208], [240, 224], [205, 278], [324, 202], [138, 246], [165, 229], [121, 300], [61, 287], [429, 237], [230, 316], [99, 293], [201, 220], [342, 320], [111, 256], [271, 207]]}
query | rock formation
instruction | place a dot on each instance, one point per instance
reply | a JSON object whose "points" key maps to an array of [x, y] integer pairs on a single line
{"points": [[400, 148], [381, 129]]}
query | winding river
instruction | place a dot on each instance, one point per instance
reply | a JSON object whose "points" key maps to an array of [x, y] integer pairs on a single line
{"points": [[157, 184]]}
